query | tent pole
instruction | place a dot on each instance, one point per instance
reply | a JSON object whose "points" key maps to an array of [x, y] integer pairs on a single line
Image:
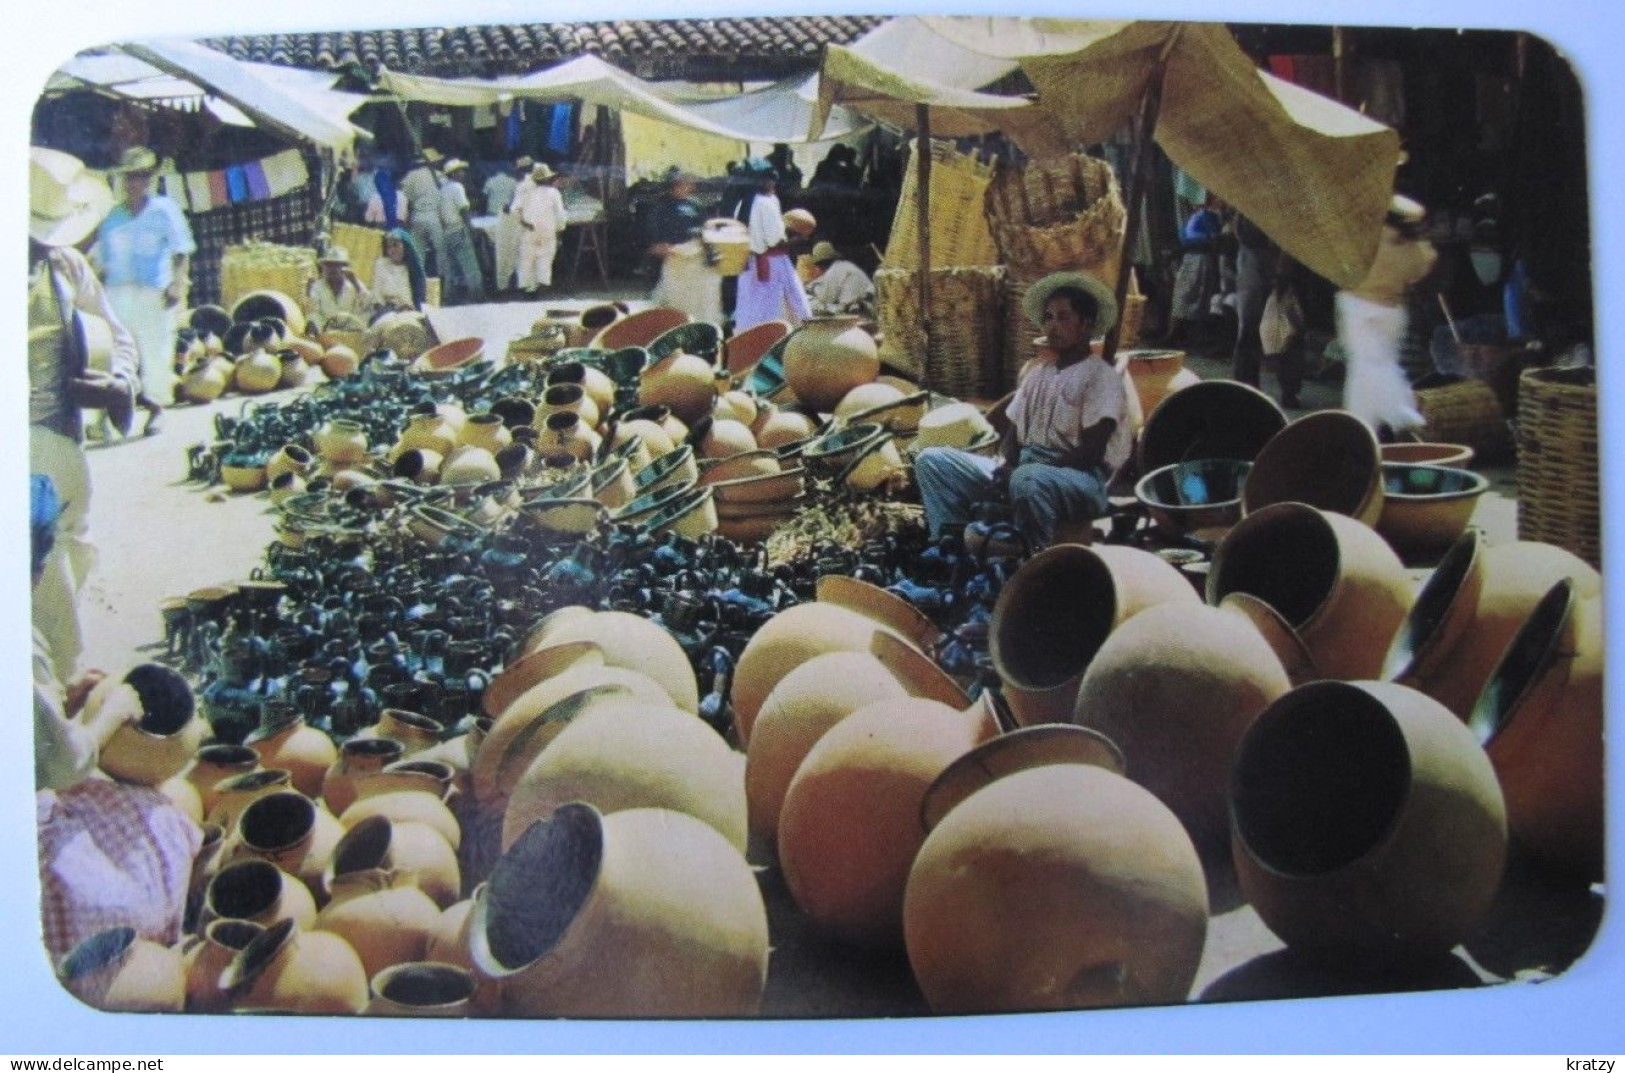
{"points": [[922, 152], [1146, 127]]}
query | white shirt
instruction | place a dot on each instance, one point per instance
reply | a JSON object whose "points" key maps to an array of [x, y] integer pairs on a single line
{"points": [[453, 202], [541, 206], [499, 191], [391, 283], [1053, 406], [842, 288], [766, 223]]}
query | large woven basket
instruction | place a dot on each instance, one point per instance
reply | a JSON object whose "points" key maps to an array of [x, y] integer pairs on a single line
{"points": [[363, 244], [959, 233], [407, 334], [1464, 411], [1062, 213], [265, 266], [1557, 460], [963, 360]]}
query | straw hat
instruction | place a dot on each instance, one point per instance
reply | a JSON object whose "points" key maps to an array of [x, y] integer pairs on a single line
{"points": [[335, 255], [800, 222], [433, 155], [452, 166], [1038, 295], [136, 159], [823, 252], [541, 172], [957, 424], [65, 201], [525, 163]]}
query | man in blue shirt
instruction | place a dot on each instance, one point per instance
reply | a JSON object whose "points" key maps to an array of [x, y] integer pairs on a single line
{"points": [[144, 253]]}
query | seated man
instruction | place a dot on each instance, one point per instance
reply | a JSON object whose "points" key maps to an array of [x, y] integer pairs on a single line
{"points": [[1069, 425], [838, 286]]}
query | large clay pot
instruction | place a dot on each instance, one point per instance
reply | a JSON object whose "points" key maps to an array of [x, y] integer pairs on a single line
{"points": [[385, 924], [429, 432], [402, 797], [1058, 609], [867, 397], [237, 792], [538, 664], [618, 757], [214, 764], [1213, 419], [741, 352], [301, 750], [291, 832], [1056, 886], [118, 971], [1334, 580], [626, 640], [654, 440], [1327, 459], [286, 969], [357, 758], [681, 382], [735, 406], [1156, 374], [257, 372], [256, 305], [257, 890], [1368, 824], [850, 825], [208, 380], [207, 956], [470, 466], [644, 913], [487, 431], [1194, 497], [450, 945], [826, 357], [414, 854], [1541, 721], [639, 329], [165, 733], [1175, 688], [726, 438], [423, 989], [339, 361], [291, 459], [412, 731], [775, 428], [341, 441]]}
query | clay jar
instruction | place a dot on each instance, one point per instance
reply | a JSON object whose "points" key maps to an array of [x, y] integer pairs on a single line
{"points": [[486, 431], [626, 640], [1328, 459], [288, 830], [646, 913], [423, 989], [165, 734], [257, 372], [341, 441], [214, 764], [1156, 374], [867, 397], [414, 854], [725, 438], [403, 797], [258, 891], [357, 759], [291, 459], [681, 382], [233, 794], [1175, 688], [1109, 908], [654, 440], [850, 825], [208, 380], [301, 750], [285, 969], [384, 923], [207, 956], [845, 618], [565, 432], [412, 731], [1058, 609], [1368, 824], [735, 406], [618, 757], [569, 398], [340, 361], [470, 466], [775, 428], [1333, 579], [429, 432], [1541, 721], [599, 387], [450, 945], [117, 970], [826, 357]]}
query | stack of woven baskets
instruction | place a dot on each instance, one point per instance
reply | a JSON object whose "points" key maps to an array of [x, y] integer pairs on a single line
{"points": [[1557, 461]]}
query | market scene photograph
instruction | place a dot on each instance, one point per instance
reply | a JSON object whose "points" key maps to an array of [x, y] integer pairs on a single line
{"points": [[811, 517]]}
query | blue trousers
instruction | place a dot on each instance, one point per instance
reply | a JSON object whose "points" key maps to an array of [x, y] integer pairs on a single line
{"points": [[1041, 495]]}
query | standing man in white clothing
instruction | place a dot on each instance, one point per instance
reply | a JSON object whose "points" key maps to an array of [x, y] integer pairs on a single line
{"points": [[540, 209], [144, 252], [421, 187], [500, 191], [466, 280]]}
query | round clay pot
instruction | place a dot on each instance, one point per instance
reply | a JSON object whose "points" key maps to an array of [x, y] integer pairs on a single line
{"points": [[215, 763], [617, 757], [613, 484], [385, 924], [413, 731], [1334, 580], [639, 329], [423, 989], [626, 640], [485, 431], [599, 387], [357, 758], [646, 913], [539, 663], [1368, 824], [866, 397], [207, 956], [682, 382], [208, 380], [566, 432], [1176, 687], [1187, 497], [1056, 611], [258, 891], [256, 305], [291, 459], [285, 487], [1156, 374], [1456, 455], [414, 854], [164, 737], [295, 369], [1213, 419], [118, 971], [341, 440], [1541, 721], [775, 428], [257, 372], [1327, 459], [568, 398], [429, 432], [826, 357], [1425, 508], [735, 406], [286, 969], [655, 440], [450, 945], [402, 797], [741, 352], [340, 361], [470, 466], [726, 438], [237, 792], [758, 463], [301, 750], [850, 824], [288, 830], [1109, 908]]}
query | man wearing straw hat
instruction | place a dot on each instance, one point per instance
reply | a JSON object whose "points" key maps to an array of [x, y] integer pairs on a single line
{"points": [[500, 190], [144, 250], [838, 286], [423, 202], [66, 202], [337, 291], [1069, 425], [466, 278], [540, 209]]}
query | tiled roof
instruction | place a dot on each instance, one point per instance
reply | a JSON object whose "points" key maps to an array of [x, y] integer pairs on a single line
{"points": [[494, 50]]}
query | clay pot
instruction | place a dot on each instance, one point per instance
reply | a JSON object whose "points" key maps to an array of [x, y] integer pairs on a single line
{"points": [[118, 971], [256, 305], [291, 459], [414, 854], [568, 398], [207, 956], [1334, 580], [956, 424], [402, 797], [826, 357], [1176, 687], [626, 640], [1541, 721], [428, 432], [288, 830], [450, 945], [850, 824], [735, 406], [1425, 508], [1156, 374], [286, 969], [639, 329], [600, 388], [1368, 825], [866, 397], [654, 439], [646, 913], [448, 356], [418, 465], [341, 441], [340, 361], [486, 431], [691, 515], [1189, 497], [357, 759], [1455, 455], [208, 380], [726, 438], [242, 473], [470, 466], [1112, 904], [258, 891], [237, 792], [385, 924], [746, 464], [1213, 419], [215, 763], [565, 432], [1056, 611], [540, 662], [612, 483], [617, 757], [294, 368], [423, 989], [681, 382], [741, 352], [304, 752], [158, 745], [1326, 459], [674, 468], [775, 428], [257, 372], [874, 465]]}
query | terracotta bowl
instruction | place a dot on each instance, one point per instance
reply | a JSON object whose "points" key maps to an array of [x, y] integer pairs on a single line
{"points": [[1425, 508], [1188, 496], [1455, 455]]}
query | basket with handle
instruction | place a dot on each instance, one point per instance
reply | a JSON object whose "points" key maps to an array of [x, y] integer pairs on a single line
{"points": [[1463, 410], [1557, 460]]}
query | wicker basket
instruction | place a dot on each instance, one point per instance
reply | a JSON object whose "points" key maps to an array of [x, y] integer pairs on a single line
{"points": [[407, 334], [1464, 411], [1557, 460], [959, 234], [1064, 213], [263, 266], [964, 357]]}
